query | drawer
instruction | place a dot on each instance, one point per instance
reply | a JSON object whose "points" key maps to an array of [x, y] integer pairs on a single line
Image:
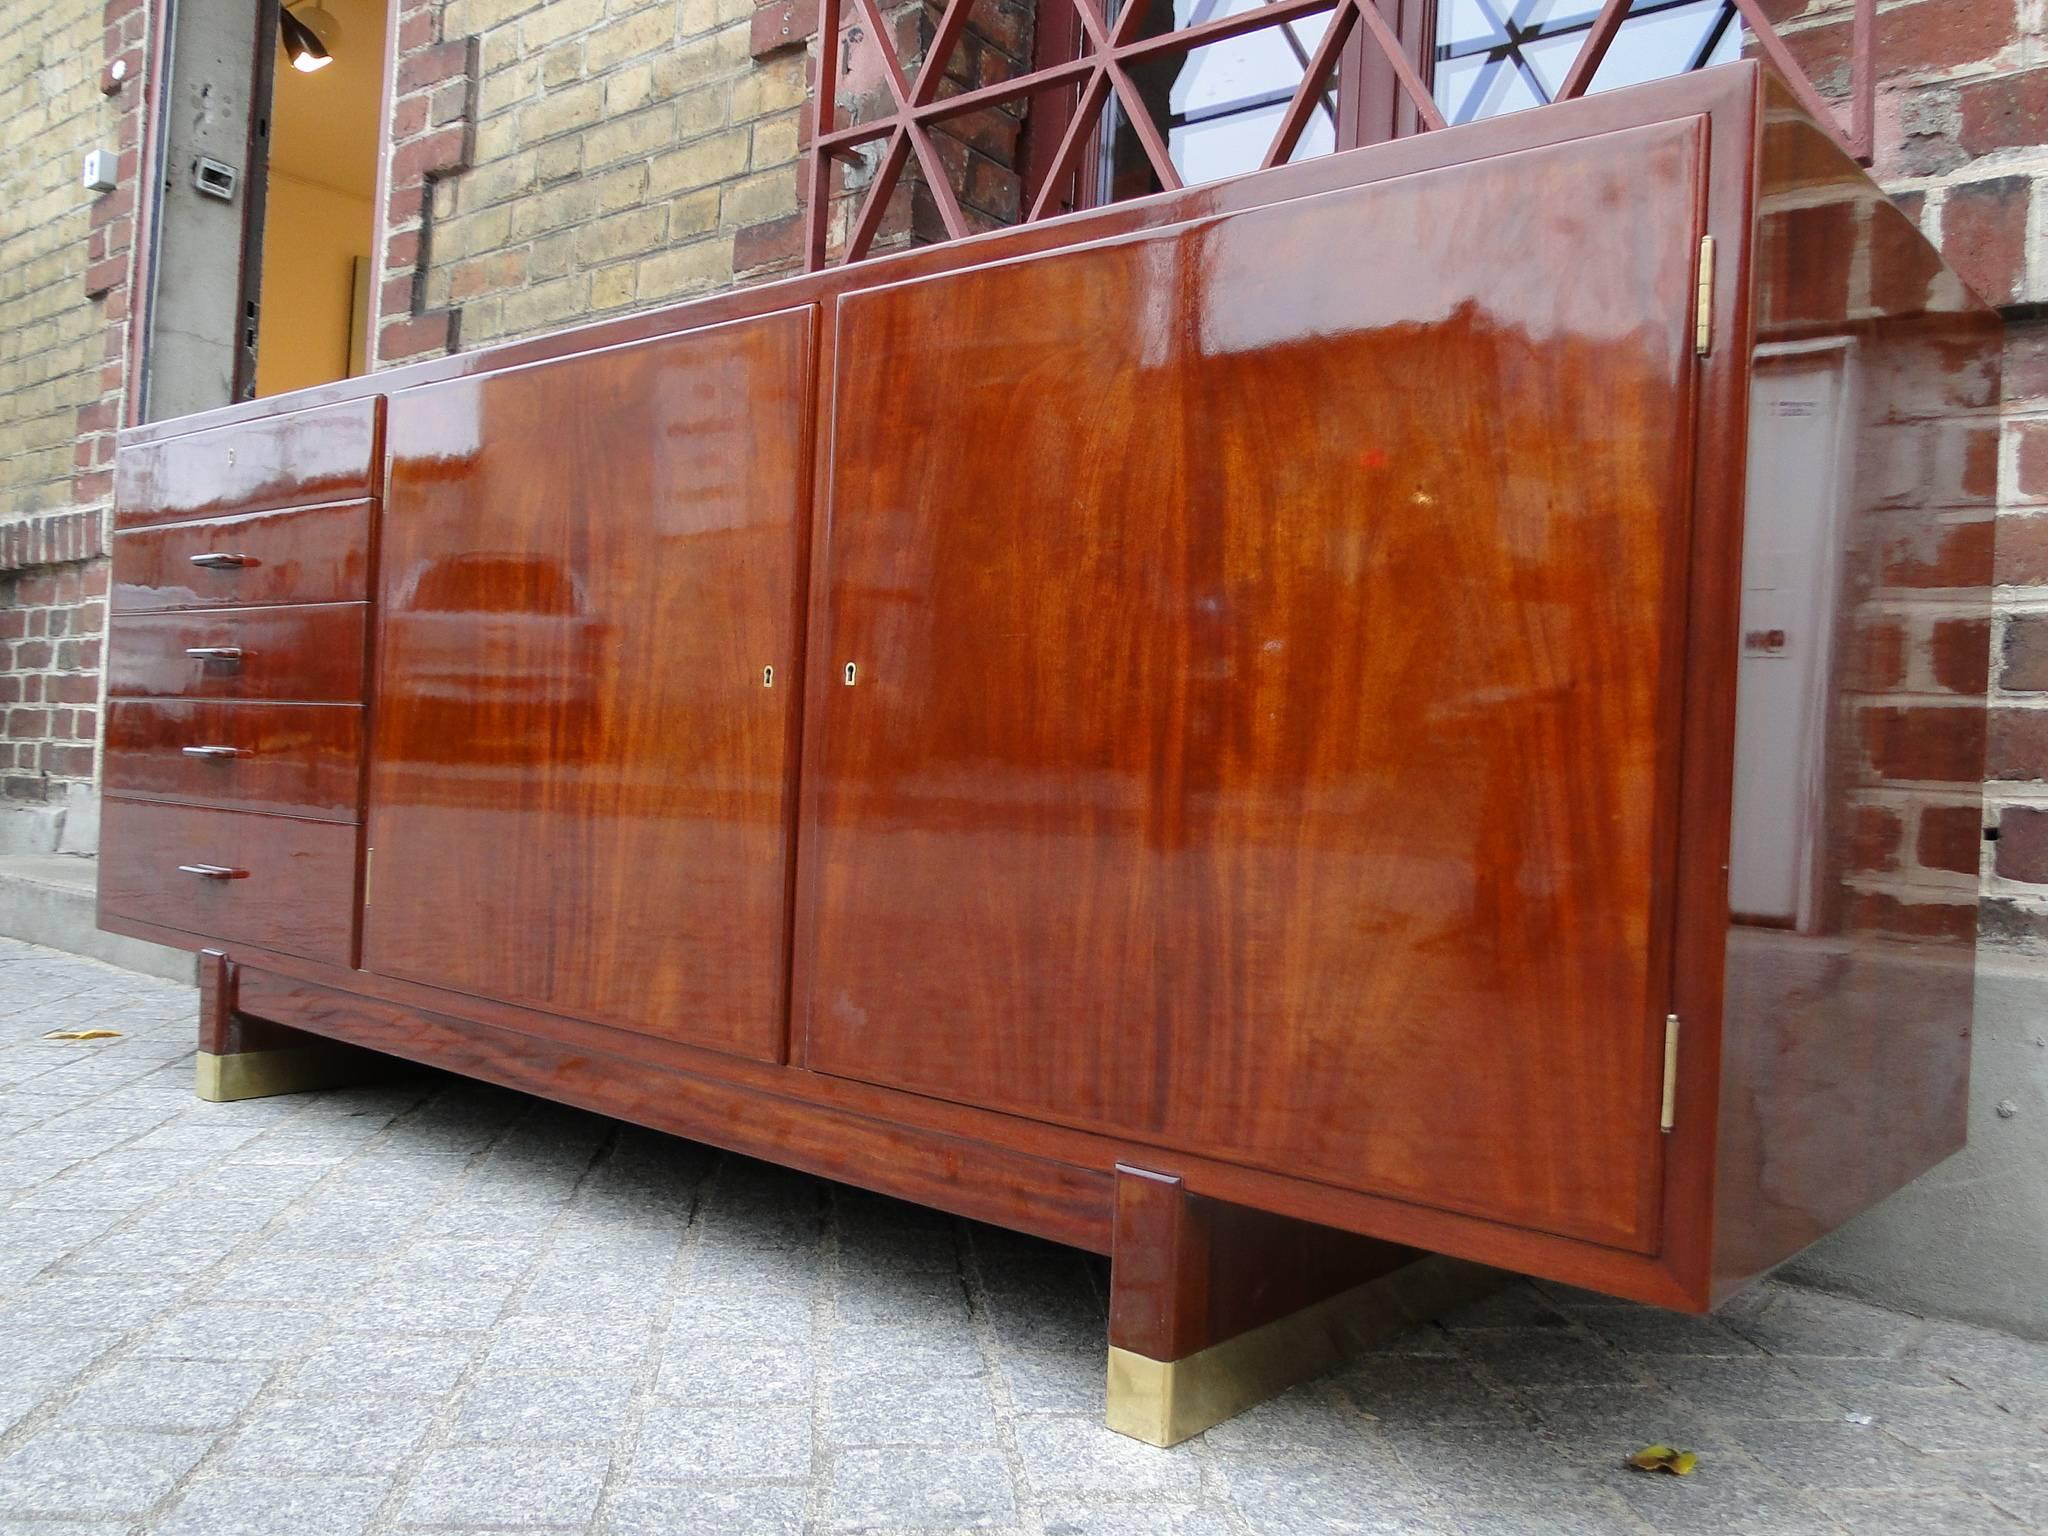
{"points": [[312, 654], [294, 460], [290, 759], [307, 555], [275, 881]]}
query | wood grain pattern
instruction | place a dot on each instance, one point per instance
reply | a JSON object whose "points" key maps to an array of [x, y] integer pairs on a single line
{"points": [[308, 655], [578, 783], [294, 888], [216, 1000], [981, 1180], [1567, 1260], [223, 1029], [1167, 800], [1469, 951], [1187, 1273], [290, 460], [289, 759], [306, 555]]}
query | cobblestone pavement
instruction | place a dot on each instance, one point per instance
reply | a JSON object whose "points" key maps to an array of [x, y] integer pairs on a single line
{"points": [[435, 1307]]}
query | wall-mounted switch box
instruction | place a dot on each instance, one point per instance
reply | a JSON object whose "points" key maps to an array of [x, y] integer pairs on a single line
{"points": [[214, 179], [99, 172]]}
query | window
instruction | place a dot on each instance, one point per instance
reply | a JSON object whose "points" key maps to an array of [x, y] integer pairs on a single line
{"points": [[1496, 56], [1218, 105]]}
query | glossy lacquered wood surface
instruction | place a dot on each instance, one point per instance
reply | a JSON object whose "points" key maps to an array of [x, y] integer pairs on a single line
{"points": [[290, 884], [1266, 681], [1188, 1273], [308, 654], [285, 759], [578, 784], [294, 460], [303, 555], [994, 1179], [1802, 1102], [1847, 1012]]}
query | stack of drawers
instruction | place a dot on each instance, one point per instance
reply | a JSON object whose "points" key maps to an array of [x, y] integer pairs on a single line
{"points": [[235, 681]]}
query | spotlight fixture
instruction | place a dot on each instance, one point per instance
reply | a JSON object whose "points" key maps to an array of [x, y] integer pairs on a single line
{"points": [[302, 44]]}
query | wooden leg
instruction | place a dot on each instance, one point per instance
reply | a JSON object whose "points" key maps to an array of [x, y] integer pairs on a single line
{"points": [[1214, 1308], [245, 1058]]}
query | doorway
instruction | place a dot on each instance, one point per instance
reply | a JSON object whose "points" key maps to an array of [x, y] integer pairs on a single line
{"points": [[320, 200], [263, 209]]}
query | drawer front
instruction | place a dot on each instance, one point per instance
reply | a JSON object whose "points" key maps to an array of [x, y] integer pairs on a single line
{"points": [[290, 759], [308, 555], [296, 460], [311, 655], [282, 883]]}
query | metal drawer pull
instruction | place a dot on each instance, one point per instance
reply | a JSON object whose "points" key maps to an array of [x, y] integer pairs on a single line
{"points": [[213, 751], [216, 560], [215, 652], [213, 872]]}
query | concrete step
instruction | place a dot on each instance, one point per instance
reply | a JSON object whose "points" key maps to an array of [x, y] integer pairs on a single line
{"points": [[49, 899]]}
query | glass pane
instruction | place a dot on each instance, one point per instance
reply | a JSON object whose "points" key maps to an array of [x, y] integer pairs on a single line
{"points": [[1214, 147], [1550, 59], [1654, 47], [1218, 106], [1246, 69], [1496, 56]]}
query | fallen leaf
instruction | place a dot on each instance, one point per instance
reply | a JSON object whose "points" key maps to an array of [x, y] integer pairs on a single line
{"points": [[83, 1034], [1664, 1458]]}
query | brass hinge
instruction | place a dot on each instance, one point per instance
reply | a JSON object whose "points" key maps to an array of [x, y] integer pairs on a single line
{"points": [[1703, 300], [369, 854], [1669, 1115]]}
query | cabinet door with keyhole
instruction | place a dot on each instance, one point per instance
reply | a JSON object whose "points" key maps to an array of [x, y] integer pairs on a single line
{"points": [[579, 776], [1269, 636]]}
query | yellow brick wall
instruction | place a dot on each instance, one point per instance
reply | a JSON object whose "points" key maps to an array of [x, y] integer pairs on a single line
{"points": [[51, 114], [616, 149]]}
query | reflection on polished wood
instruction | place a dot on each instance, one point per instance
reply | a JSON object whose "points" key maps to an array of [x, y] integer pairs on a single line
{"points": [[290, 461], [270, 881], [240, 1057], [1848, 998], [305, 555], [1164, 1402], [578, 782], [289, 759], [1310, 710], [307, 655], [1163, 804]]}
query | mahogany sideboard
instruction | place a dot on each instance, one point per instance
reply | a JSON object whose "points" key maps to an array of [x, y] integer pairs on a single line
{"points": [[1263, 731]]}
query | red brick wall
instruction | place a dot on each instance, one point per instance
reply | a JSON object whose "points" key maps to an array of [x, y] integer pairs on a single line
{"points": [[1963, 111], [1962, 116], [51, 621], [980, 150], [66, 254]]}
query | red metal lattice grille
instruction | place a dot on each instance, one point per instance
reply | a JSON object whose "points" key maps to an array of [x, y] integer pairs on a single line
{"points": [[1101, 70]]}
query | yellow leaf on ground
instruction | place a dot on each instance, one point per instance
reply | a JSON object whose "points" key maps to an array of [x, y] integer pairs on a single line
{"points": [[83, 1034], [1664, 1458]]}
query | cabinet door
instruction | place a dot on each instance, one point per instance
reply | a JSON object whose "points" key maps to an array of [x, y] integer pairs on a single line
{"points": [[579, 777], [1266, 642]]}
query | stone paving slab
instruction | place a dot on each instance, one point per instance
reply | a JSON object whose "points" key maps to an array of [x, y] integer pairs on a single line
{"points": [[435, 1307]]}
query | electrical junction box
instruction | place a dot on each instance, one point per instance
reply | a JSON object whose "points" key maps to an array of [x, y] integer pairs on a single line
{"points": [[98, 174], [214, 178]]}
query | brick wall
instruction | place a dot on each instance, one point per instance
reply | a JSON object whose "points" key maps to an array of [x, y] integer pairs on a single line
{"points": [[63, 310], [565, 160], [607, 156], [1962, 117], [561, 160], [558, 160]]}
